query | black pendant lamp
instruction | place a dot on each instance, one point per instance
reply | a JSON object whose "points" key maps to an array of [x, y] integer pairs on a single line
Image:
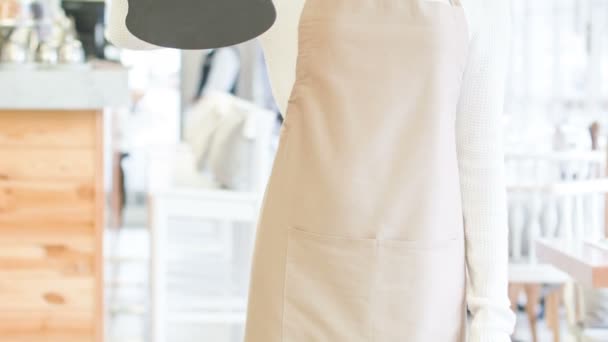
{"points": [[199, 24]]}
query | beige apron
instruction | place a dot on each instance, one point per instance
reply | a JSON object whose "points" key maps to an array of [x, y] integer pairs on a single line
{"points": [[361, 232]]}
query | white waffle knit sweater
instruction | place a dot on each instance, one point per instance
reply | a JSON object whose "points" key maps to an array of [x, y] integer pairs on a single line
{"points": [[479, 144], [481, 165]]}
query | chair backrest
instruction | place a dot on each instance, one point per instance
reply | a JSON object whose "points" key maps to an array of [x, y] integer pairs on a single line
{"points": [[554, 195]]}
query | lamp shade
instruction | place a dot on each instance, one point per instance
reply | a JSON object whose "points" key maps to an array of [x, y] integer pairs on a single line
{"points": [[199, 24]]}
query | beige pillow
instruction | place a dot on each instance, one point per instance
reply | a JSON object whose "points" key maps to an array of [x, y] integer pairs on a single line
{"points": [[231, 152], [202, 121]]}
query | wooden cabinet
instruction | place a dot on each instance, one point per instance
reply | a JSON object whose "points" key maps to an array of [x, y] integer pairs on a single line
{"points": [[51, 226]]}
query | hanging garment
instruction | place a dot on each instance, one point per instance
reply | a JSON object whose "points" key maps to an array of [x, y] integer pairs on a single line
{"points": [[361, 236], [222, 135], [220, 71]]}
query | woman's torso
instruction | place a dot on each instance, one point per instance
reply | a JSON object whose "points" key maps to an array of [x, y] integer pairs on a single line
{"points": [[280, 44]]}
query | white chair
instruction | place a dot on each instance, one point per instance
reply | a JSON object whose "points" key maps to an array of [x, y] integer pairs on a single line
{"points": [[551, 195], [182, 254]]}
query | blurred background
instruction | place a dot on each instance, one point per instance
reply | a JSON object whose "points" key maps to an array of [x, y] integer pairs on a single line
{"points": [[130, 180]]}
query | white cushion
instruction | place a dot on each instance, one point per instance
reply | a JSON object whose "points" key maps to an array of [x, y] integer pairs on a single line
{"points": [[184, 171]]}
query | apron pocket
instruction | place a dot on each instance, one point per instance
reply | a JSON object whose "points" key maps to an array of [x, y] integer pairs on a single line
{"points": [[420, 291], [328, 285], [363, 289]]}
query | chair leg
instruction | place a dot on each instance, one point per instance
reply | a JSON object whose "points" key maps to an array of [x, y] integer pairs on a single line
{"points": [[514, 291], [118, 191], [552, 309], [532, 300], [570, 301]]}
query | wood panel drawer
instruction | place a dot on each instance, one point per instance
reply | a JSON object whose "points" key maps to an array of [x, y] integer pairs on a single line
{"points": [[48, 233], [48, 128], [38, 164], [45, 259], [43, 202], [47, 294], [49, 325]]}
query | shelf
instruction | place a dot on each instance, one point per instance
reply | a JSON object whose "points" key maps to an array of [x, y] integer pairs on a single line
{"points": [[10, 23]]}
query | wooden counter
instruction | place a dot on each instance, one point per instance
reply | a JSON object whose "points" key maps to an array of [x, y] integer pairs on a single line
{"points": [[51, 204], [51, 226]]}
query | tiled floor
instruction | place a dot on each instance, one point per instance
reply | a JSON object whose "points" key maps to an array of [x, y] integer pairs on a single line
{"points": [[127, 290]]}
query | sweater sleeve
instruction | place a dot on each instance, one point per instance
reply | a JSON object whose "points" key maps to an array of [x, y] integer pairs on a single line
{"points": [[481, 167]]}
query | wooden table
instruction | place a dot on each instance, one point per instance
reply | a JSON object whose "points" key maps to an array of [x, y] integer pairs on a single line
{"points": [[585, 263]]}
